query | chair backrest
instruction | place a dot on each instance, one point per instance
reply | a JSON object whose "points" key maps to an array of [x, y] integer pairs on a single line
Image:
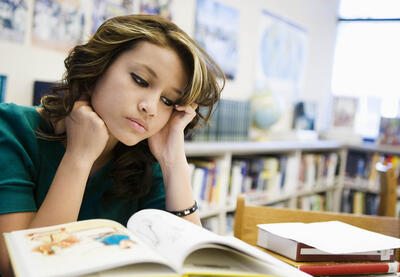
{"points": [[388, 190], [247, 218]]}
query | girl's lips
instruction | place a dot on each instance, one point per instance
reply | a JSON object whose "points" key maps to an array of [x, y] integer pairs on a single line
{"points": [[137, 126]]}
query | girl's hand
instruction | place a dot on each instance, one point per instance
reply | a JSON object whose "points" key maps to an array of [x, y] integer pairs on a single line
{"points": [[87, 134], [167, 145]]}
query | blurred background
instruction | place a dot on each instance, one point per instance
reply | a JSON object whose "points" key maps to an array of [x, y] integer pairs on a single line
{"points": [[326, 66]]}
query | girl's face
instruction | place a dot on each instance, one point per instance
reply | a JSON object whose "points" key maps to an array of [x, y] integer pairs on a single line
{"points": [[136, 95]]}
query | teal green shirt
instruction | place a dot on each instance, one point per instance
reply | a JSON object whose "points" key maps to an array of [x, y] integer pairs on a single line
{"points": [[28, 166]]}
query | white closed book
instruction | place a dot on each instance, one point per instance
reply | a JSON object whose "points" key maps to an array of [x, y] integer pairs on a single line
{"points": [[326, 241]]}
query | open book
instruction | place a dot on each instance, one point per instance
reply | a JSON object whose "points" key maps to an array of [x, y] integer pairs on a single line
{"points": [[156, 243]]}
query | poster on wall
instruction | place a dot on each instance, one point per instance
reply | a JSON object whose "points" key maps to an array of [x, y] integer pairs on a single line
{"points": [[280, 61], [13, 16], [105, 9], [158, 7], [344, 112], [281, 55], [216, 30], [57, 24]]}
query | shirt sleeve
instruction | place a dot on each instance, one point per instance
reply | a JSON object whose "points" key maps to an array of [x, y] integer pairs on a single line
{"points": [[17, 172], [155, 199]]}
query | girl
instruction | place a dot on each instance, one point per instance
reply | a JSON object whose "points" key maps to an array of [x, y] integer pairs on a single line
{"points": [[110, 140]]}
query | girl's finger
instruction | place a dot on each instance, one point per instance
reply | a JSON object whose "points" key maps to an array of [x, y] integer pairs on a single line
{"points": [[188, 108], [194, 106], [80, 103], [59, 127]]}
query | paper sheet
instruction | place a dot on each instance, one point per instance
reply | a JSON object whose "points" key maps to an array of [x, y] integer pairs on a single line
{"points": [[333, 236]]}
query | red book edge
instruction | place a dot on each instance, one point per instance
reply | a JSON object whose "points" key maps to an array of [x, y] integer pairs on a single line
{"points": [[350, 268]]}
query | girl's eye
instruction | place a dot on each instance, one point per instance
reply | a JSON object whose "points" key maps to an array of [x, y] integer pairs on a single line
{"points": [[138, 80], [166, 101]]}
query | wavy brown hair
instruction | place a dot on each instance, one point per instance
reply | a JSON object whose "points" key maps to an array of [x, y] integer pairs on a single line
{"points": [[131, 172]]}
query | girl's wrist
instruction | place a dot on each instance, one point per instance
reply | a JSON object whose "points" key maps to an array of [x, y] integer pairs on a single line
{"points": [[79, 160], [173, 161], [175, 176], [174, 166]]}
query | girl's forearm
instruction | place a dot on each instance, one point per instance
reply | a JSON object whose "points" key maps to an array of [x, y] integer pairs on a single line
{"points": [[64, 198], [61, 205], [178, 189]]}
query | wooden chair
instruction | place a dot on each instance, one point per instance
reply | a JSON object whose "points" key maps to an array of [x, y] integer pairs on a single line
{"points": [[247, 218], [388, 190]]}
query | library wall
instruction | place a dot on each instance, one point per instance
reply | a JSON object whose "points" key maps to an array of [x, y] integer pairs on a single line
{"points": [[25, 63]]}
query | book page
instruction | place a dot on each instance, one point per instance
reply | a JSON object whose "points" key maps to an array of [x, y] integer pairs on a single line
{"points": [[333, 236], [175, 238], [77, 248], [137, 270], [218, 260]]}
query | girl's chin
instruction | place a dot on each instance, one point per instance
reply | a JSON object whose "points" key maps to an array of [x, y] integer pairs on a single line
{"points": [[127, 138], [131, 142]]}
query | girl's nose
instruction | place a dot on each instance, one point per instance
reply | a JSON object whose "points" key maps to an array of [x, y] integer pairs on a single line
{"points": [[149, 106]]}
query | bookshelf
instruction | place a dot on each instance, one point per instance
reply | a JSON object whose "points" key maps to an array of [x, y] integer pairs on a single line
{"points": [[224, 156], [295, 191], [360, 185]]}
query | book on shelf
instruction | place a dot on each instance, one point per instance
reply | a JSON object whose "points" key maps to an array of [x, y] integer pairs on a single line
{"points": [[371, 203], [326, 241], [361, 169], [343, 268], [40, 89], [331, 168], [260, 176], [373, 175], [233, 120], [291, 175], [238, 174], [204, 180], [316, 202], [389, 131], [3, 82], [307, 175], [208, 177], [359, 202], [230, 121], [155, 243], [357, 165]]}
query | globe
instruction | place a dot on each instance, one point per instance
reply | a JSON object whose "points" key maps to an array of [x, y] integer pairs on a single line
{"points": [[266, 109]]}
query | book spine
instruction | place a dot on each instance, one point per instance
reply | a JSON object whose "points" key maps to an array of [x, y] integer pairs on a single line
{"points": [[3, 80], [343, 269]]}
